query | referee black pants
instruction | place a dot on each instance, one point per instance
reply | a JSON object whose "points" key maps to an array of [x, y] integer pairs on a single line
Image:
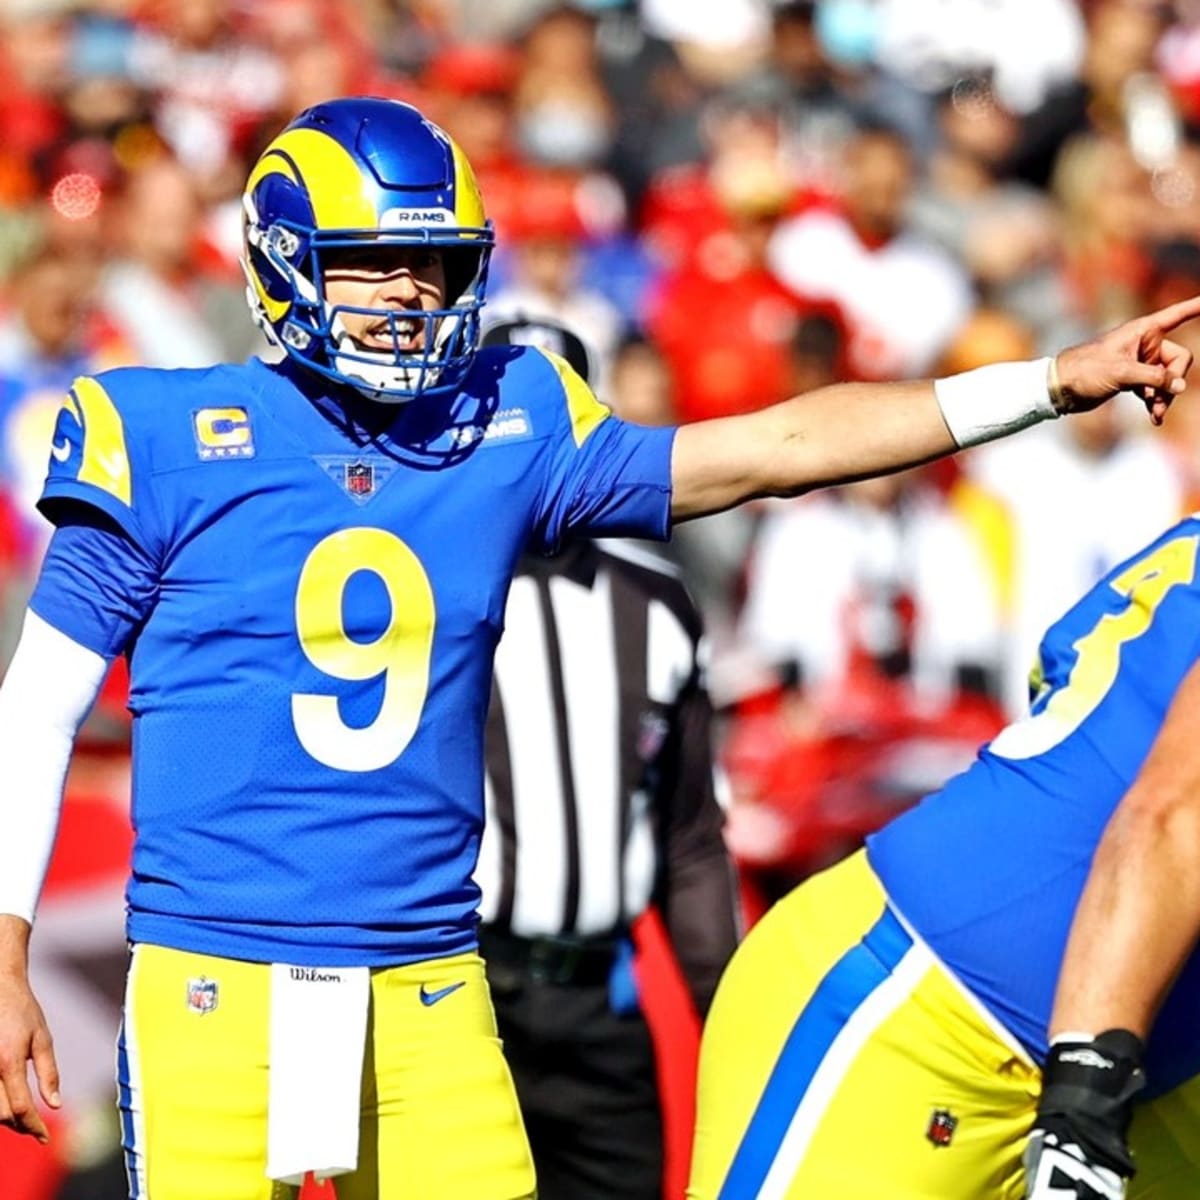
{"points": [[587, 1085]]}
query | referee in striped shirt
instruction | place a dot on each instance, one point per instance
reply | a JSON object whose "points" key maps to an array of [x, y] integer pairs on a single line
{"points": [[600, 803]]}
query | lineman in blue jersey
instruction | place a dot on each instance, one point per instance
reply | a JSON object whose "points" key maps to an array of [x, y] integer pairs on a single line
{"points": [[882, 1032], [306, 564]]}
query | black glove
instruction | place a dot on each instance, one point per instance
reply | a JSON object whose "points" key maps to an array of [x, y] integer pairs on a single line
{"points": [[1077, 1148]]}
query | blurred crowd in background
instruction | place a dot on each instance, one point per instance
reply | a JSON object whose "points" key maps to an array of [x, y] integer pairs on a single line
{"points": [[731, 201]]}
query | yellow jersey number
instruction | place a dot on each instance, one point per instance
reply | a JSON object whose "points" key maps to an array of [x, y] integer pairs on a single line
{"points": [[1145, 584], [401, 653]]}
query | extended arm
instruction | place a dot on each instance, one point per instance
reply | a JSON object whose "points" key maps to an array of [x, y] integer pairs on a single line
{"points": [[48, 690], [851, 431], [97, 584]]}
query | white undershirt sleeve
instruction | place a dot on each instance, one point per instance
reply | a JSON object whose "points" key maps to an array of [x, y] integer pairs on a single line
{"points": [[50, 687]]}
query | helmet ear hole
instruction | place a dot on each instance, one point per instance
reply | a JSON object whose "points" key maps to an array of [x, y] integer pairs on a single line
{"points": [[275, 285]]}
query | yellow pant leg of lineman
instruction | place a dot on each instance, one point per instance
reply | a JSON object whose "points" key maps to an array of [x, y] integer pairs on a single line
{"points": [[841, 1060], [440, 1119], [1165, 1137]]}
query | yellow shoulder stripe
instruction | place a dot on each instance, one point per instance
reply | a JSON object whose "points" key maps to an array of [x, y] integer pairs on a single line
{"points": [[586, 411], [105, 459]]}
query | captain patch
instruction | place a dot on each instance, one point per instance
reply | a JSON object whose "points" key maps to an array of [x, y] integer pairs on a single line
{"points": [[223, 433]]}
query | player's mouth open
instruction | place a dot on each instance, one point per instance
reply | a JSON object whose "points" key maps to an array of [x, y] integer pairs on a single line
{"points": [[405, 336]]}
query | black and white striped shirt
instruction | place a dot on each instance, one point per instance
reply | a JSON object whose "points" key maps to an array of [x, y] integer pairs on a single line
{"points": [[600, 787]]}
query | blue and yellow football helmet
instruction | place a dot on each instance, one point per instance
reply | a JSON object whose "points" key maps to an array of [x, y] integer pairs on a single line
{"points": [[355, 171]]}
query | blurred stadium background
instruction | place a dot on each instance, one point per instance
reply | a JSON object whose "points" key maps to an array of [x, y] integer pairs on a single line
{"points": [[730, 201]]}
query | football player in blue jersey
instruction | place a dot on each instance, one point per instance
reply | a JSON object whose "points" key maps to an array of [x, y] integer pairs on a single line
{"points": [[885, 1029], [306, 564], [1131, 953]]}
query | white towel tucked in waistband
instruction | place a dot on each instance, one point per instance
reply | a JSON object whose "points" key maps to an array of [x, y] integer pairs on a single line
{"points": [[318, 1036]]}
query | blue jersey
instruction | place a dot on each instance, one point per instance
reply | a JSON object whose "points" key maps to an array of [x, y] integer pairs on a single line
{"points": [[990, 869], [312, 635]]}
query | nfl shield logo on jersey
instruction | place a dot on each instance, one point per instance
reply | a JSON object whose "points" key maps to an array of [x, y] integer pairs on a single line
{"points": [[942, 1125], [202, 995], [360, 479]]}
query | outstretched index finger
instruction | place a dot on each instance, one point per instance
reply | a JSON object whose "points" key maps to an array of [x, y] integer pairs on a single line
{"points": [[1166, 319]]}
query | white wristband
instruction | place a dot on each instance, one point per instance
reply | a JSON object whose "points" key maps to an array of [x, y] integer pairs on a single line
{"points": [[996, 400]]}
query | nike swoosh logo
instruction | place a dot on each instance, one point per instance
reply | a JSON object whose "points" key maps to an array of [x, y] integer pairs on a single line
{"points": [[430, 998], [63, 452]]}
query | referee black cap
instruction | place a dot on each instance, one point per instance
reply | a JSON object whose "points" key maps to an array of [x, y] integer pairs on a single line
{"points": [[545, 335]]}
